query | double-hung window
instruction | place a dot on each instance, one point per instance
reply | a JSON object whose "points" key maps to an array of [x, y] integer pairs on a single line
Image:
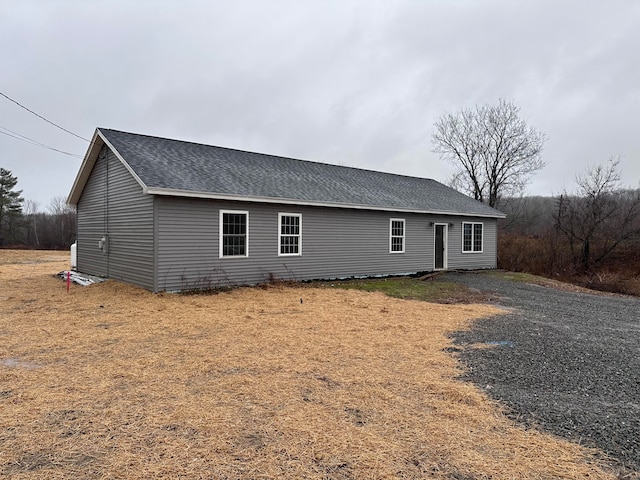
{"points": [[289, 234], [396, 240], [234, 233], [471, 237]]}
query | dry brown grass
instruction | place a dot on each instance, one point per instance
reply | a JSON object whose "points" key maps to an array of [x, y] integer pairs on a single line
{"points": [[111, 381]]}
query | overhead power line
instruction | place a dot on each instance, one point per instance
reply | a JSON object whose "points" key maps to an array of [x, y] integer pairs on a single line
{"points": [[41, 117], [19, 136]]}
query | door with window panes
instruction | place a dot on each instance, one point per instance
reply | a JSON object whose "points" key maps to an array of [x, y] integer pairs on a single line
{"points": [[440, 246]]}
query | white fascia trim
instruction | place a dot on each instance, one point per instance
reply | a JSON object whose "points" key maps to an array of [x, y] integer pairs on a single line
{"points": [[290, 201], [84, 171], [124, 162], [88, 163]]}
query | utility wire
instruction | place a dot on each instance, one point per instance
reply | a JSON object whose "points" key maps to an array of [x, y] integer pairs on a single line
{"points": [[22, 137], [40, 116], [19, 136]]}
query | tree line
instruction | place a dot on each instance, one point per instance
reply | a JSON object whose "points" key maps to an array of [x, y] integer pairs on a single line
{"points": [[23, 226], [590, 235]]}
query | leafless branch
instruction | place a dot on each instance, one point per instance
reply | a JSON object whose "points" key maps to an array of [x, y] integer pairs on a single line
{"points": [[495, 151]]}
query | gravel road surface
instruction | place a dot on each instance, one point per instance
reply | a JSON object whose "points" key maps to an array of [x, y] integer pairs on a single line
{"points": [[564, 362]]}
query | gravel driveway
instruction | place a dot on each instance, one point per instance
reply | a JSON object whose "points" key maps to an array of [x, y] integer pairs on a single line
{"points": [[565, 362]]}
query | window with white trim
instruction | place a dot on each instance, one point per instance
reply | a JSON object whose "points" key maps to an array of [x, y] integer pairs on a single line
{"points": [[396, 240], [471, 237], [234, 233], [289, 234]]}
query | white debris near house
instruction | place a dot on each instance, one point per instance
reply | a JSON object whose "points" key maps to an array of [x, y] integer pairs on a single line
{"points": [[80, 278]]}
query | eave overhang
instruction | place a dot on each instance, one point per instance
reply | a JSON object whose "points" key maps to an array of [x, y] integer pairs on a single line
{"points": [[310, 203]]}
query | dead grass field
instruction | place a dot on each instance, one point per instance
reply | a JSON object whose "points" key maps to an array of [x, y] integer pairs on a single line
{"points": [[110, 381]]}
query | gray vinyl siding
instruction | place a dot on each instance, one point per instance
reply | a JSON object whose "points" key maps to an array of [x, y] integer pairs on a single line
{"points": [[336, 243], [459, 260], [113, 204], [92, 221], [187, 245]]}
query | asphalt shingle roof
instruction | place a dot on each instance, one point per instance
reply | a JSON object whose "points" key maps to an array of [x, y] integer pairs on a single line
{"points": [[175, 165]]}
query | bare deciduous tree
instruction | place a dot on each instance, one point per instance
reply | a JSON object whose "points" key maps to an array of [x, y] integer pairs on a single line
{"points": [[526, 215], [600, 216], [59, 206], [494, 150], [29, 213], [63, 222]]}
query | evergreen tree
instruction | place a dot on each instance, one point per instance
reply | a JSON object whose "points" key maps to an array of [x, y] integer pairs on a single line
{"points": [[10, 205]]}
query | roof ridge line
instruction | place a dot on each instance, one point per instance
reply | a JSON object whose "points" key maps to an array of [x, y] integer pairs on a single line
{"points": [[272, 155]]}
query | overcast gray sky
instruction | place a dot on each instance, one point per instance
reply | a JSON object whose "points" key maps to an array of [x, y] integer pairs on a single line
{"points": [[356, 83]]}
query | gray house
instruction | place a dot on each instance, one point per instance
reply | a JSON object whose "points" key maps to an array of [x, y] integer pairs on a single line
{"points": [[172, 215]]}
